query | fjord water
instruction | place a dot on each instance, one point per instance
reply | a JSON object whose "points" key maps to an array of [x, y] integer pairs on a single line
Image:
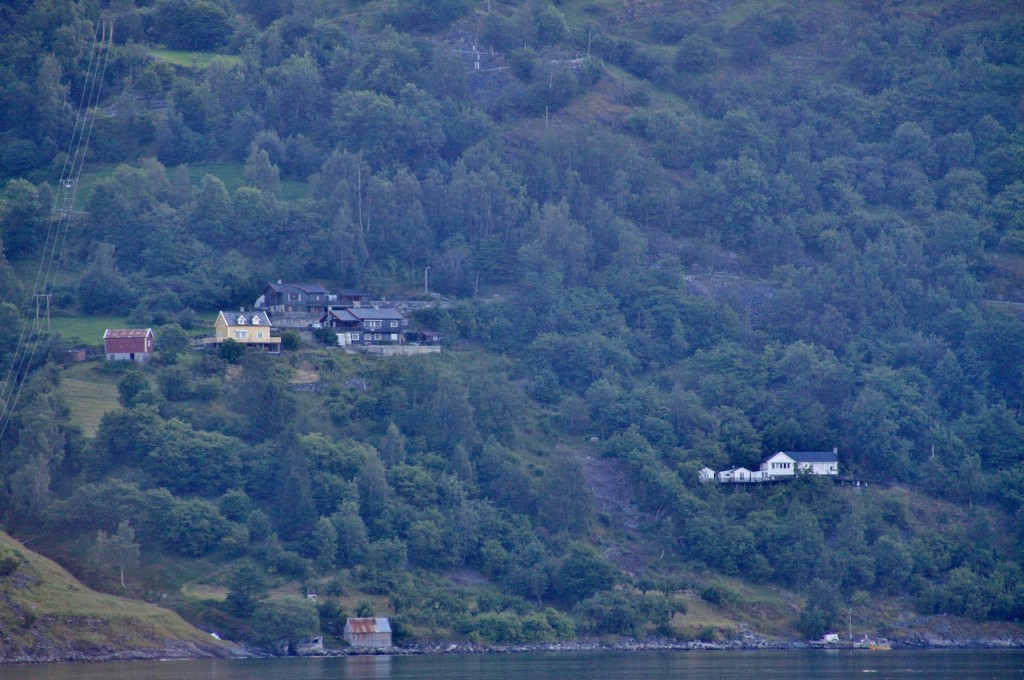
{"points": [[711, 665]]}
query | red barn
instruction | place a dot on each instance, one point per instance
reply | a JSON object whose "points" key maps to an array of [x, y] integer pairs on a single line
{"points": [[128, 344]]}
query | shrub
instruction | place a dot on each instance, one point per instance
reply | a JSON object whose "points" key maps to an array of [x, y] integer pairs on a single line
{"points": [[290, 340], [8, 565]]}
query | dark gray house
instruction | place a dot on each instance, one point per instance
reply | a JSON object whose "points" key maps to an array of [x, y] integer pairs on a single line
{"points": [[309, 299], [366, 325]]}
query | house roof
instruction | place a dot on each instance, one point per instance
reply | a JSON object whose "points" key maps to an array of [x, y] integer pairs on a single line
{"points": [[350, 314], [371, 313], [304, 287], [231, 318], [368, 625], [810, 456], [127, 333]]}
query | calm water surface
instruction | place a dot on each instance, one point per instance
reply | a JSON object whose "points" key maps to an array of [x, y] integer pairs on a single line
{"points": [[795, 665]]}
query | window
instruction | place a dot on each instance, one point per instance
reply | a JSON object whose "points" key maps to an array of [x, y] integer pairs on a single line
{"points": [[259, 334], [255, 321], [394, 324], [373, 324], [240, 320], [394, 337], [294, 297], [376, 336], [241, 335]]}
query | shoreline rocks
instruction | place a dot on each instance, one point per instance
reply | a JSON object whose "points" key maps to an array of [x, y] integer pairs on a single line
{"points": [[749, 642]]}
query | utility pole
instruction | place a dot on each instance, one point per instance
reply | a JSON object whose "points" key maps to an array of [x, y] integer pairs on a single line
{"points": [[42, 303], [426, 290]]}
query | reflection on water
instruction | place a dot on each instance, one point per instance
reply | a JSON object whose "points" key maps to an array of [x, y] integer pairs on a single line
{"points": [[719, 665], [368, 668]]}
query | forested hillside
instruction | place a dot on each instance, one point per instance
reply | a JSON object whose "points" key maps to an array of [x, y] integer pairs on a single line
{"points": [[664, 234]]}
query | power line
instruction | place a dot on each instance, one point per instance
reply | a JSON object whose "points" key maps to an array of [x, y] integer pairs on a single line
{"points": [[60, 217]]}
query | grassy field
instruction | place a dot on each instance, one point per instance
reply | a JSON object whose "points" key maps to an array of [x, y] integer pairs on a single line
{"points": [[85, 330], [47, 608], [232, 174], [192, 59], [89, 395]]}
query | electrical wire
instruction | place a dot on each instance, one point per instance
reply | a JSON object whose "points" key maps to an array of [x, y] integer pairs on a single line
{"points": [[59, 223]]}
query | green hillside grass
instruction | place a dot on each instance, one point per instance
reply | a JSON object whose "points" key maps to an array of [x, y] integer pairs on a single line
{"points": [[47, 610], [89, 396], [232, 174], [85, 330], [189, 59]]}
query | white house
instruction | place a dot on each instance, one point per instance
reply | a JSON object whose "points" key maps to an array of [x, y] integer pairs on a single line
{"points": [[787, 463], [706, 474], [735, 475]]}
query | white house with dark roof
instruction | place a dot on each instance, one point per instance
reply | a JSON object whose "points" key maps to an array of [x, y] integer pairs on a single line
{"points": [[738, 475], [788, 463]]}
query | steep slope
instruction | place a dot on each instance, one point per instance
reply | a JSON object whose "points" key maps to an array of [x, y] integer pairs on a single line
{"points": [[47, 615]]}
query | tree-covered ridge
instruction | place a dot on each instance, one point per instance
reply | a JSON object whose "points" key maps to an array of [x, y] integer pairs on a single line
{"points": [[695, 233]]}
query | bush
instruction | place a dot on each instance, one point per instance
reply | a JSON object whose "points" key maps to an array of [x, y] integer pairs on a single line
{"points": [[497, 628], [289, 620], [290, 340], [194, 527], [231, 351], [184, 25], [325, 336], [718, 595], [696, 54], [8, 565], [612, 612]]}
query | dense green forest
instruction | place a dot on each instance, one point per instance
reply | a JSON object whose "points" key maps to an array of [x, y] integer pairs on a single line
{"points": [[668, 235]]}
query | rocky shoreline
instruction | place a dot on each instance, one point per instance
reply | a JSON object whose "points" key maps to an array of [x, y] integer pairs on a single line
{"points": [[748, 642], [177, 650]]}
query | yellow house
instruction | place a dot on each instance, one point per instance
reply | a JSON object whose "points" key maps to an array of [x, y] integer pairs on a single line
{"points": [[247, 328]]}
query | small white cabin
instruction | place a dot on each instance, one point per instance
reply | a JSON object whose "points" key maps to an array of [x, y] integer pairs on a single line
{"points": [[734, 475]]}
